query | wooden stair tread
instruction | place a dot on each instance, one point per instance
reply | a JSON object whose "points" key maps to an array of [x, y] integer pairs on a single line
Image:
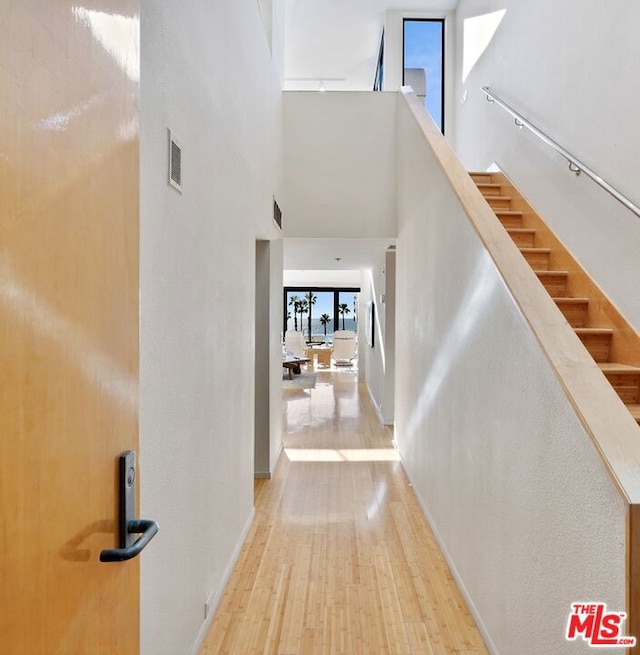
{"points": [[563, 273], [506, 212], [528, 249], [487, 198], [615, 367], [521, 230], [571, 301], [593, 330]]}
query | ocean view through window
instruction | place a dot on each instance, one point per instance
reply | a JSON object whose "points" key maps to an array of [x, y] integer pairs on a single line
{"points": [[318, 312]]}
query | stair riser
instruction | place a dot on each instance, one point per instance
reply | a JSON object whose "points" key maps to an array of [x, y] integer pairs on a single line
{"points": [[537, 260], [598, 346], [487, 191], [626, 386], [575, 314], [499, 203], [556, 285], [523, 239], [510, 221], [481, 178]]}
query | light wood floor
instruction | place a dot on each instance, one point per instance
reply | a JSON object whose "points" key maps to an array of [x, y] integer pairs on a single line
{"points": [[340, 558]]}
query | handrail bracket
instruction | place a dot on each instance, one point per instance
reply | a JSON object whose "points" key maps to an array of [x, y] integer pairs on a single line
{"points": [[575, 165]]}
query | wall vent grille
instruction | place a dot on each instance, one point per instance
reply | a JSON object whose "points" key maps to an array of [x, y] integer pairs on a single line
{"points": [[277, 214], [175, 163]]}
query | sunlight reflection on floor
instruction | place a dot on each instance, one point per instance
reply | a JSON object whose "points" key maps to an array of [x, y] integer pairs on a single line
{"points": [[342, 454]]}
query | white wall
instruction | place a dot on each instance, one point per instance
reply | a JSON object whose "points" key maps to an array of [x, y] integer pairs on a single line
{"points": [[377, 364], [275, 349], [268, 356], [322, 278], [522, 505], [568, 69], [339, 164], [386, 309], [197, 299]]}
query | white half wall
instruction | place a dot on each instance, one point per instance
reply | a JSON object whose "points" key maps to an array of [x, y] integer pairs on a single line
{"points": [[197, 292], [339, 164], [526, 514], [568, 69]]}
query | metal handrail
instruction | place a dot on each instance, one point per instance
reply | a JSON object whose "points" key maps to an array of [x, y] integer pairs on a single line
{"points": [[575, 165]]}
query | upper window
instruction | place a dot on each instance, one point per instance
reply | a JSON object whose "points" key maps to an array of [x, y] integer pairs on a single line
{"points": [[379, 80], [423, 63]]}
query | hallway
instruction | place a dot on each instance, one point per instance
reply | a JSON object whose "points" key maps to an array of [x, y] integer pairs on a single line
{"points": [[339, 558]]}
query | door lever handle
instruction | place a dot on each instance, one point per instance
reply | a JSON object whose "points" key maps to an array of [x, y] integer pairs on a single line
{"points": [[129, 546], [148, 529]]}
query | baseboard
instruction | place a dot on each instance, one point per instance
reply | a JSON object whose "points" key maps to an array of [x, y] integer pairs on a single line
{"points": [[267, 475], [482, 629], [374, 402], [276, 459], [217, 596]]}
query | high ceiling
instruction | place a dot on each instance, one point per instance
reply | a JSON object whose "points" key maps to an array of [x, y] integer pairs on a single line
{"points": [[338, 40]]}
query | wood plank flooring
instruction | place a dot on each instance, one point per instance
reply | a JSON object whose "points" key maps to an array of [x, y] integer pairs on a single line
{"points": [[340, 558]]}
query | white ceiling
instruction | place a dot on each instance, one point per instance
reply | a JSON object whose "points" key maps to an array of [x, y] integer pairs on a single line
{"points": [[321, 254], [338, 40]]}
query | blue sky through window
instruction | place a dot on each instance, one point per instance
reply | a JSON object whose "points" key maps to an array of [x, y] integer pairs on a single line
{"points": [[423, 45]]}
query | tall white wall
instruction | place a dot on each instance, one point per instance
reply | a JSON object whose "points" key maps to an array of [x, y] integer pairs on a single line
{"points": [[339, 164], [207, 75], [521, 503], [568, 68]]}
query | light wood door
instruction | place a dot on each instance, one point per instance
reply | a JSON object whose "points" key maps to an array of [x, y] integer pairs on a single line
{"points": [[69, 187]]}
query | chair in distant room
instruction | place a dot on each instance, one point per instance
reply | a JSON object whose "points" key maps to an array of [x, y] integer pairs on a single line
{"points": [[294, 343], [344, 347]]}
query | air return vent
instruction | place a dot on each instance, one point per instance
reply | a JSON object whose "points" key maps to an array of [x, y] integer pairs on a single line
{"points": [[175, 163], [277, 214]]}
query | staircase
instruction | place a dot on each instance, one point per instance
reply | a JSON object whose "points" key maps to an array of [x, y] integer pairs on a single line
{"points": [[611, 341]]}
